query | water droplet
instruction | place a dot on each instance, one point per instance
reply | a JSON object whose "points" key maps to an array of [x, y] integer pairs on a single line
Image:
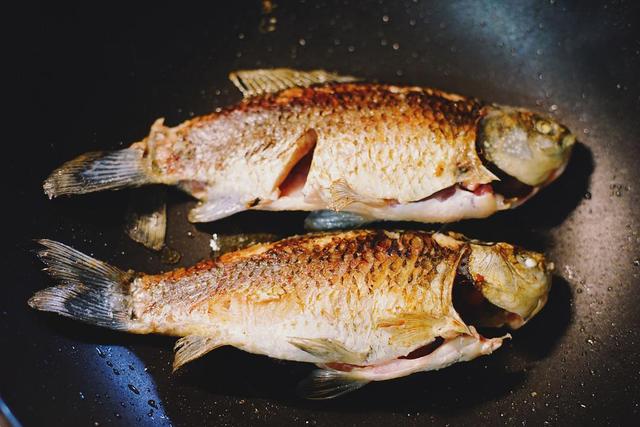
{"points": [[396, 46], [109, 364], [302, 42], [590, 341], [412, 22], [540, 76], [586, 131], [553, 108], [152, 403], [117, 415], [115, 371], [580, 290], [618, 85], [385, 18], [587, 195], [81, 395], [539, 52], [241, 36], [636, 262], [131, 367], [133, 388], [351, 49], [609, 288], [100, 352], [150, 413]]}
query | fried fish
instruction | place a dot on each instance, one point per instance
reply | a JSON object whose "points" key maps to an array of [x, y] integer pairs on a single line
{"points": [[365, 305], [317, 141]]}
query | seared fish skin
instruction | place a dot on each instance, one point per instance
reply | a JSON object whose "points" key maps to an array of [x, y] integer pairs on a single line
{"points": [[375, 150], [359, 304]]}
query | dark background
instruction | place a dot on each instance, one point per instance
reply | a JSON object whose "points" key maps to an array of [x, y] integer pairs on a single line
{"points": [[90, 77]]}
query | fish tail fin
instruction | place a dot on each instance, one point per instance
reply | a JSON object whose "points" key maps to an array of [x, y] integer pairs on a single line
{"points": [[98, 171], [91, 291]]}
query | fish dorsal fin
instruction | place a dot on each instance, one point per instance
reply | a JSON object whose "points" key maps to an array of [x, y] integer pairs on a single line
{"points": [[146, 221], [328, 350], [258, 82], [192, 347]]}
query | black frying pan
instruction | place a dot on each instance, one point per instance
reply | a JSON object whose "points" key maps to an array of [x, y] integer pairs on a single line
{"points": [[95, 77]]}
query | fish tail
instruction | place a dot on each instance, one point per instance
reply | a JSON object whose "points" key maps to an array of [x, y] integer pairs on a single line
{"points": [[91, 291], [98, 171]]}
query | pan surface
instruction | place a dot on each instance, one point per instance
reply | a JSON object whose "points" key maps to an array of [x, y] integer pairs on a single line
{"points": [[96, 77]]}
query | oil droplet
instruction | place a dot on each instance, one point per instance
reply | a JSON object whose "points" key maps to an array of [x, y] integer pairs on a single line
{"points": [[133, 388], [214, 242], [169, 256]]}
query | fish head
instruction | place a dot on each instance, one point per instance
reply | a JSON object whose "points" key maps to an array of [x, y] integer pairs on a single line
{"points": [[531, 148], [514, 279]]}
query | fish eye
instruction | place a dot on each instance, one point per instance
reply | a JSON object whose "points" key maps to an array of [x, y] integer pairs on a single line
{"points": [[544, 127]]}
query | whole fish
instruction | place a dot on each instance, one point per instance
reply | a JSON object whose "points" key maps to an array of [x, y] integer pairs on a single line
{"points": [[319, 141], [365, 305]]}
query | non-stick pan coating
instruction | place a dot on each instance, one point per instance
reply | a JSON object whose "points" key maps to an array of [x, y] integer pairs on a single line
{"points": [[95, 77]]}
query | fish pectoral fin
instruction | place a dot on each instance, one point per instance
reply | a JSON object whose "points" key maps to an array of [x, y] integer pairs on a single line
{"points": [[328, 350], [192, 347], [219, 207], [342, 195], [332, 220], [328, 383], [410, 328], [258, 82], [146, 221]]}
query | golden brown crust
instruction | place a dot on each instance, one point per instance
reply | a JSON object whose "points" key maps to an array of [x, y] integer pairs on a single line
{"points": [[248, 148]]}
